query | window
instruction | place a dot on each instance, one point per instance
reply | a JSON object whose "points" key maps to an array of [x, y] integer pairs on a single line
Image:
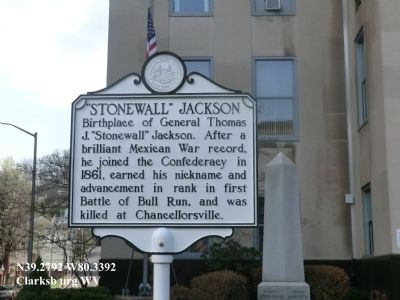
{"points": [[368, 226], [191, 7], [274, 88], [200, 65], [361, 79], [273, 7]]}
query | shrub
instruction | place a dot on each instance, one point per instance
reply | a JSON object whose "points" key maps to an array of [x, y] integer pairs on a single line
{"points": [[180, 292], [378, 294], [327, 282], [357, 294], [230, 255], [254, 279], [219, 285], [93, 293], [40, 276]]}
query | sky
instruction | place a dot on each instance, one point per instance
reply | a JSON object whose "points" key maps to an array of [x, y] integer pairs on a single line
{"points": [[51, 51]]}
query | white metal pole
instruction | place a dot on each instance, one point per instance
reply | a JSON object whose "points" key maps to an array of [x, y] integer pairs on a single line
{"points": [[349, 110], [161, 289]]}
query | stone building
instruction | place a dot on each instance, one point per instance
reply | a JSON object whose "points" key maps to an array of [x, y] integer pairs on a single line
{"points": [[325, 78]]}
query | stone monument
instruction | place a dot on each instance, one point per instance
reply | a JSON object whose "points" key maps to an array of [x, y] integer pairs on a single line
{"points": [[283, 267]]}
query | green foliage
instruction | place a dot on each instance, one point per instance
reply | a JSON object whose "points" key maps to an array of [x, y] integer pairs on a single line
{"points": [[41, 278], [219, 285], [327, 282], [93, 293], [356, 294], [230, 255]]}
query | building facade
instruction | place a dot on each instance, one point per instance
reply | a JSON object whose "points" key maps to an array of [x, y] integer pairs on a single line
{"points": [[372, 60], [324, 77]]}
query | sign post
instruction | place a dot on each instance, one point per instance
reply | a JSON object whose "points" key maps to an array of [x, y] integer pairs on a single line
{"points": [[162, 160]]}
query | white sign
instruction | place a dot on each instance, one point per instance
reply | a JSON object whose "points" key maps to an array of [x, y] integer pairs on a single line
{"points": [[171, 160]]}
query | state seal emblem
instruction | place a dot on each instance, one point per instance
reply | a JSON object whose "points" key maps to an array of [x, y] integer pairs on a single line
{"points": [[163, 73]]}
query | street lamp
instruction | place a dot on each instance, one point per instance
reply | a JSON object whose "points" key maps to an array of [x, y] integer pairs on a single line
{"points": [[32, 210]]}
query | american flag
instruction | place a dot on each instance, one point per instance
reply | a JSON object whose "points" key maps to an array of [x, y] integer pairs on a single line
{"points": [[151, 46]]}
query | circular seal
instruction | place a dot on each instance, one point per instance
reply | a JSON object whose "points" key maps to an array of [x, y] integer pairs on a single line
{"points": [[163, 73]]}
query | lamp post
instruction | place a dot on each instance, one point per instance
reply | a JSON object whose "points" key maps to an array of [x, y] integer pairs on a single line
{"points": [[33, 194]]}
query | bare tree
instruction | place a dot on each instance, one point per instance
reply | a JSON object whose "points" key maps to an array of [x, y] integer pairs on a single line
{"points": [[75, 244], [53, 187], [14, 210], [52, 193], [53, 180]]}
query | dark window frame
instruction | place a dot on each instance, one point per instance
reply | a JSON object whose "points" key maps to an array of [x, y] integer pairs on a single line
{"points": [[367, 220], [208, 59], [361, 79], [174, 13], [294, 137]]}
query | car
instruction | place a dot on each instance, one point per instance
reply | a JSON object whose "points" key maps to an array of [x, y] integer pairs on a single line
{"points": [[8, 292]]}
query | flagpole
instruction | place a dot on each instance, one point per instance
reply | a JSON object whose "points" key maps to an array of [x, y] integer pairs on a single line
{"points": [[151, 42], [150, 3]]}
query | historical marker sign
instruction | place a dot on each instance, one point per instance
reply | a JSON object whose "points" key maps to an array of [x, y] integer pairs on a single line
{"points": [[185, 160]]}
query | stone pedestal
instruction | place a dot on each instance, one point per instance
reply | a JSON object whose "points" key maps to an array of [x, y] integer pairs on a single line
{"points": [[283, 291], [283, 266]]}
